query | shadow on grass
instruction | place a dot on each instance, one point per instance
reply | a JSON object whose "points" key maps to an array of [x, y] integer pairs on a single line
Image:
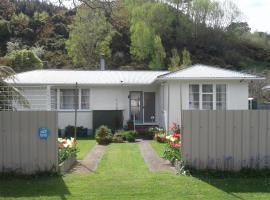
{"points": [[250, 181], [33, 187]]}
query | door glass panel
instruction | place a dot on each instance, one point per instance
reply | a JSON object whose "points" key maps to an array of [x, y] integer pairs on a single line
{"points": [[149, 107], [136, 106]]}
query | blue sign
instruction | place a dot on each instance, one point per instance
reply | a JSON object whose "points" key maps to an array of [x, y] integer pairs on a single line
{"points": [[43, 133]]}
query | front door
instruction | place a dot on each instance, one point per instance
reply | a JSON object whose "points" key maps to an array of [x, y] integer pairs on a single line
{"points": [[142, 106], [136, 107], [149, 107]]}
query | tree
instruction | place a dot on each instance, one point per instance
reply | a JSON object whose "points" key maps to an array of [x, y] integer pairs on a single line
{"points": [[142, 37], [7, 9], [175, 61], [9, 93], [22, 60], [90, 36], [186, 58], [158, 54], [4, 30]]}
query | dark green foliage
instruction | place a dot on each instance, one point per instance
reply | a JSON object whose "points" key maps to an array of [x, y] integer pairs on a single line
{"points": [[129, 136], [23, 60], [103, 135], [61, 29], [28, 34], [4, 30]]}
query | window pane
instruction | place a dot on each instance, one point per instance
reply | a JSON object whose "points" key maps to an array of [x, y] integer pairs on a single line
{"points": [[194, 105], [53, 99], [194, 88], [207, 88], [221, 97], [221, 88], [194, 97], [207, 106], [207, 98], [67, 99], [85, 99]]}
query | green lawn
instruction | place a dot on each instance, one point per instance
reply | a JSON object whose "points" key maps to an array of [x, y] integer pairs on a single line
{"points": [[158, 147], [123, 175], [84, 145]]}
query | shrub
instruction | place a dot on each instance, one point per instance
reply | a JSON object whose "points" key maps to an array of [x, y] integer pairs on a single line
{"points": [[129, 136], [118, 137], [103, 135]]}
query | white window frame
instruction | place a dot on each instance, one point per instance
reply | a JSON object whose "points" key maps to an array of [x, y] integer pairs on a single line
{"points": [[207, 93], [214, 95], [58, 95]]}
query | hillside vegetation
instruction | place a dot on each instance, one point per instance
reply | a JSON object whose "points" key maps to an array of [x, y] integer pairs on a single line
{"points": [[131, 34]]}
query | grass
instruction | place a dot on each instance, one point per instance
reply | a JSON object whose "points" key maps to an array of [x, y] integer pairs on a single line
{"points": [[123, 175], [84, 145], [158, 147]]}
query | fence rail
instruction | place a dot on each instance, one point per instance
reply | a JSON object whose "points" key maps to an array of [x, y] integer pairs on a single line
{"points": [[226, 140], [21, 148]]}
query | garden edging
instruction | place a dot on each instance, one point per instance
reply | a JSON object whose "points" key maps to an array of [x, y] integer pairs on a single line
{"points": [[65, 166]]}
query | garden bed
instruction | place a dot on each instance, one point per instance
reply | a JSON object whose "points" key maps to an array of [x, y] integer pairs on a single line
{"points": [[67, 164]]}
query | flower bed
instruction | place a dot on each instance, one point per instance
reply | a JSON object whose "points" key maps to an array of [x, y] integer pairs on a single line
{"points": [[67, 152], [172, 150]]}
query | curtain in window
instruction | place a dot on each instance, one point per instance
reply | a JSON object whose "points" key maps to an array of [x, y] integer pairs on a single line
{"points": [[194, 97], [207, 97], [221, 97], [67, 99], [85, 99]]}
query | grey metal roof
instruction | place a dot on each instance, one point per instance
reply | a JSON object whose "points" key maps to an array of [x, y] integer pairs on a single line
{"points": [[67, 77], [87, 77], [203, 72]]}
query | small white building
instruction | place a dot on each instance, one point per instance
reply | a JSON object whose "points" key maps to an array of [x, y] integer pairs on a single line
{"points": [[154, 97]]}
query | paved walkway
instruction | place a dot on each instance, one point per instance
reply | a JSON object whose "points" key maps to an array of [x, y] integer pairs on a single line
{"points": [[90, 162], [152, 160]]}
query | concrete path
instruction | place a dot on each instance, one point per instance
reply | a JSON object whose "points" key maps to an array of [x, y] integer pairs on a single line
{"points": [[90, 162], [152, 160]]}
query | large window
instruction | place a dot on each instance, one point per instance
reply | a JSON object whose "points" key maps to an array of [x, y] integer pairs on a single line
{"points": [[221, 97], [207, 97], [194, 97], [67, 99]]}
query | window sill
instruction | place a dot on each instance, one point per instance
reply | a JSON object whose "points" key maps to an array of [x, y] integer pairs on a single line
{"points": [[73, 110]]}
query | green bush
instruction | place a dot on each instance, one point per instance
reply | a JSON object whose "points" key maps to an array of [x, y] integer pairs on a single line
{"points": [[129, 136], [103, 135], [118, 137]]}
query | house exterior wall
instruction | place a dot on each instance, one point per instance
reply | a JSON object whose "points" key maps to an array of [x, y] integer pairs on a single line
{"points": [[101, 98], [171, 98], [176, 97]]}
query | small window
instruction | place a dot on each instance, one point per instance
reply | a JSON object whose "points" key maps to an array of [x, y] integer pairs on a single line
{"points": [[85, 97], [221, 97], [53, 99], [67, 99], [207, 97], [194, 97]]}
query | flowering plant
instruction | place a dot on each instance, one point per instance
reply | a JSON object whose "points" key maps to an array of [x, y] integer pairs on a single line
{"points": [[172, 150], [66, 148]]}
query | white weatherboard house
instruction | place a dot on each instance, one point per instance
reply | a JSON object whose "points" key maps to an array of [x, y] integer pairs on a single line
{"points": [[155, 97]]}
